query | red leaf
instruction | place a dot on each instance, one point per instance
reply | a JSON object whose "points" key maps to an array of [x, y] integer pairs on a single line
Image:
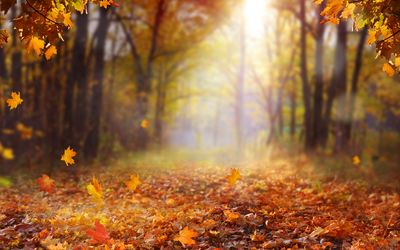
{"points": [[99, 235]]}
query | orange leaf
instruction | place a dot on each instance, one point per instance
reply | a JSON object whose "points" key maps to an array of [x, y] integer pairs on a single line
{"points": [[14, 101], [185, 237], [99, 235], [234, 176], [36, 44], [133, 182], [231, 216], [388, 68], [50, 52], [69, 153], [46, 184]]}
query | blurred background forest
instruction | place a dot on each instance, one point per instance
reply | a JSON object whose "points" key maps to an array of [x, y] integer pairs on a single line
{"points": [[235, 79]]}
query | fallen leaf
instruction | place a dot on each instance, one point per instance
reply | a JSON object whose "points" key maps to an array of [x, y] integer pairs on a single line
{"points": [[46, 184], [234, 176], [99, 235], [95, 190], [231, 216], [133, 182], [185, 237]]}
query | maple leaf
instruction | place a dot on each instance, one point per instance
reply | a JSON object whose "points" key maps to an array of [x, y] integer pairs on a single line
{"points": [[133, 182], [388, 68], [185, 237], [100, 234], [105, 3], [36, 44], [348, 11], [15, 100], [231, 216], [50, 52], [234, 176], [68, 155], [67, 19], [46, 184], [95, 190]]}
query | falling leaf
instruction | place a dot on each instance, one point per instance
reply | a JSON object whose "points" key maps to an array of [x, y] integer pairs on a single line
{"points": [[356, 160], [231, 216], [14, 101], [133, 182], [46, 184], [36, 44], [7, 153], [68, 155], [234, 176], [388, 68], [25, 132], [144, 123], [99, 235], [50, 52], [185, 237], [95, 190]]}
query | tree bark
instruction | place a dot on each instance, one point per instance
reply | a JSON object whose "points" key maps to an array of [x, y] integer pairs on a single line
{"points": [[304, 77], [91, 145]]}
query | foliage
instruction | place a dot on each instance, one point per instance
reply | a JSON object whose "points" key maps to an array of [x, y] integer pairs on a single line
{"points": [[42, 23], [381, 18]]}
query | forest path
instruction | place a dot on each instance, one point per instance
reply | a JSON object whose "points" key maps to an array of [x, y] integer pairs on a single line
{"points": [[269, 207]]}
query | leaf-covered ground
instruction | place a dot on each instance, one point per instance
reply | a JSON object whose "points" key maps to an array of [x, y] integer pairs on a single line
{"points": [[269, 207]]}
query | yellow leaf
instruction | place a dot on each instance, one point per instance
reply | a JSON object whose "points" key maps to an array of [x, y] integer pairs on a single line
{"points": [[67, 19], [348, 11], [371, 37], [356, 160], [231, 216], [95, 190], [397, 62], [14, 101], [133, 182], [185, 237], [388, 68], [36, 44], [105, 3], [50, 52], [68, 155], [8, 153], [234, 176]]}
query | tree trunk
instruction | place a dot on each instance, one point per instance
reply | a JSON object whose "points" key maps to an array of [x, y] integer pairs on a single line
{"points": [[354, 82], [76, 75], [319, 81], [92, 141], [304, 77]]}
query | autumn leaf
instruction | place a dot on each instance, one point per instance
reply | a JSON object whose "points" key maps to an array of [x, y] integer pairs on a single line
{"points": [[3, 38], [67, 19], [95, 190], [25, 132], [99, 235], [133, 182], [14, 101], [348, 11], [388, 68], [144, 123], [356, 160], [105, 3], [46, 184], [50, 52], [36, 44], [372, 37], [231, 216], [185, 237], [234, 176], [68, 155]]}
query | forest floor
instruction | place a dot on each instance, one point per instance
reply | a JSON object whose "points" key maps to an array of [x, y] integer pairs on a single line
{"points": [[271, 206]]}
